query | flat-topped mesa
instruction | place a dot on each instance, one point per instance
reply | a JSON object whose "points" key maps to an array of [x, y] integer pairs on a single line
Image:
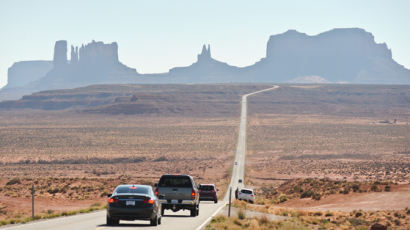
{"points": [[205, 55], [60, 53], [98, 52]]}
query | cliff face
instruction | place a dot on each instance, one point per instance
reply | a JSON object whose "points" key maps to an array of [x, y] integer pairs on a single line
{"points": [[24, 72], [93, 63], [339, 55]]}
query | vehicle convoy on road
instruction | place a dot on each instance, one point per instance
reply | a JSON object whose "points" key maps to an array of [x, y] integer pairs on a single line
{"points": [[246, 194], [208, 192], [178, 192], [133, 202]]}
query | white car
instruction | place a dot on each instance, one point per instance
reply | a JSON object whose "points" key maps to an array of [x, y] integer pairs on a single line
{"points": [[246, 194]]}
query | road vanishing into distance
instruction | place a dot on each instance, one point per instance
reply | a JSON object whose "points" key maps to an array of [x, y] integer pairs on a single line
{"points": [[171, 220]]}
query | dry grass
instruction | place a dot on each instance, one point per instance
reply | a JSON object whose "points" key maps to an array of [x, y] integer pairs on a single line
{"points": [[78, 157], [300, 219]]}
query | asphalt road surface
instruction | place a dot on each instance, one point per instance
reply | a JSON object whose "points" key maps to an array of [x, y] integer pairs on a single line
{"points": [[171, 220]]}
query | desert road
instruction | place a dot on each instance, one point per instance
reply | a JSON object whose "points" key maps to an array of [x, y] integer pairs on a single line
{"points": [[178, 220]]}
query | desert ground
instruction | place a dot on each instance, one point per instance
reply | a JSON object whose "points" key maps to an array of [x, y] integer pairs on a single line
{"points": [[311, 148], [76, 145], [332, 148]]}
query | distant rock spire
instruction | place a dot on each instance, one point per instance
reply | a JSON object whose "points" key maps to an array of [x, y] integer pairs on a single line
{"points": [[60, 53], [74, 55], [205, 54]]}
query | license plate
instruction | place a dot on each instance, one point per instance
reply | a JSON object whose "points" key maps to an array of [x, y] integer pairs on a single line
{"points": [[174, 201], [130, 202]]}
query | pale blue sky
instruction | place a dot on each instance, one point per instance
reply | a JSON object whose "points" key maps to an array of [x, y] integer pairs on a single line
{"points": [[154, 36]]}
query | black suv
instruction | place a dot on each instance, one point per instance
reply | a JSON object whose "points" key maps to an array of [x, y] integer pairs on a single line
{"points": [[178, 192]]}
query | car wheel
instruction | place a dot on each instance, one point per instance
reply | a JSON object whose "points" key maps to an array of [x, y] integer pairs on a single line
{"points": [[216, 201], [193, 211], [154, 221], [159, 220], [115, 222], [109, 221], [162, 211], [197, 211]]}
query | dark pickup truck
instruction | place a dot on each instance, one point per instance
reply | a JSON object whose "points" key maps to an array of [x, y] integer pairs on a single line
{"points": [[178, 192]]}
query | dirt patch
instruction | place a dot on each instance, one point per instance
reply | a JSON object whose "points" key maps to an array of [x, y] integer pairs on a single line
{"points": [[398, 199]]}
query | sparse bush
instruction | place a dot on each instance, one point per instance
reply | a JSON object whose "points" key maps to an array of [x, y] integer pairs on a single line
{"points": [[306, 194], [316, 196], [357, 222], [13, 181], [241, 214], [283, 198], [397, 222]]}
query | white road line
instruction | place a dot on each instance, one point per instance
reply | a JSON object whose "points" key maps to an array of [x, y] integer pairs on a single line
{"points": [[212, 216]]}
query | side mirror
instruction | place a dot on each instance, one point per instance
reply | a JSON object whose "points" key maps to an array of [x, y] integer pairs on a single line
{"points": [[199, 186], [109, 195], [161, 196], [156, 184]]}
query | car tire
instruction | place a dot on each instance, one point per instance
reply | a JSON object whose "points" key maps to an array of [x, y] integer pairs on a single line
{"points": [[216, 201], [159, 220], [162, 211], [193, 211], [109, 221], [197, 211], [154, 221]]}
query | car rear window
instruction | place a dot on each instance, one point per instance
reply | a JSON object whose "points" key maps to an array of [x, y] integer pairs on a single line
{"points": [[175, 181], [246, 191], [132, 189], [206, 187]]}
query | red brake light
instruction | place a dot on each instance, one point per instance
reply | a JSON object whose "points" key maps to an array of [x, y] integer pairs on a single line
{"points": [[156, 191], [193, 193], [148, 201], [133, 187], [112, 200]]}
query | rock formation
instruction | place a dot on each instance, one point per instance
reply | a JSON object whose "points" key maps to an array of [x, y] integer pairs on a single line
{"points": [[204, 70], [337, 56], [340, 55], [60, 53], [93, 63], [205, 55], [98, 52], [74, 55], [24, 72]]}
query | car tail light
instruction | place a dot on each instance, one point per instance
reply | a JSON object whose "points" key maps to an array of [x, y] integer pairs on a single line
{"points": [[156, 191], [193, 193], [112, 200], [148, 201]]}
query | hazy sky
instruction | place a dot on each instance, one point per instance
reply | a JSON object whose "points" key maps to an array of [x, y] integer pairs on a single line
{"points": [[154, 36]]}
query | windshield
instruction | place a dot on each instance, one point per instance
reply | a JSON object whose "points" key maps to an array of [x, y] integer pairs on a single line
{"points": [[175, 181], [132, 189], [206, 187], [246, 191]]}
